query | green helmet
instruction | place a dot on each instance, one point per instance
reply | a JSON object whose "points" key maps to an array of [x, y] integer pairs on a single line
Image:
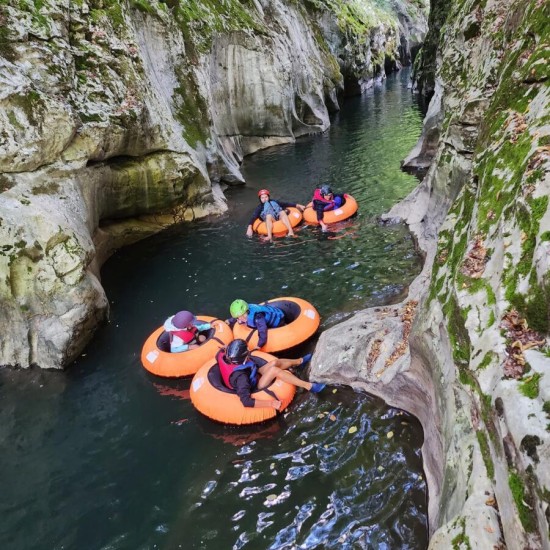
{"points": [[238, 308]]}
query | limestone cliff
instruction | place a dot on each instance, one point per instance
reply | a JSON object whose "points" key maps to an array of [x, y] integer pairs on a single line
{"points": [[118, 117], [468, 351]]}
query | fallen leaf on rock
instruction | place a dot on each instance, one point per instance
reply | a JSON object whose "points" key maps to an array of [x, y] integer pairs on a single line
{"points": [[489, 529], [352, 430], [332, 417], [271, 497], [380, 468], [334, 390], [490, 501], [389, 435]]}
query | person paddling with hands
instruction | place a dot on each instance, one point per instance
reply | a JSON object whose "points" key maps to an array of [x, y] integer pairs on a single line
{"points": [[241, 374], [270, 211]]}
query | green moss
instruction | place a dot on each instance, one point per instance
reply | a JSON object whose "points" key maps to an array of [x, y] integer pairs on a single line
{"points": [[93, 117], [200, 20], [544, 237], [530, 386], [546, 407], [6, 45], [50, 188], [143, 6], [489, 356], [461, 541], [486, 454], [191, 112], [536, 306], [522, 498], [110, 9], [458, 334]]}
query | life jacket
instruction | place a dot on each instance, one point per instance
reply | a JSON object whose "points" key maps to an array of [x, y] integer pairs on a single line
{"points": [[273, 315], [227, 369], [186, 335], [329, 205], [271, 207]]}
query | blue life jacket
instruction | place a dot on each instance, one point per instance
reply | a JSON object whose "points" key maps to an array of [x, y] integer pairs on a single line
{"points": [[271, 207], [273, 315]]}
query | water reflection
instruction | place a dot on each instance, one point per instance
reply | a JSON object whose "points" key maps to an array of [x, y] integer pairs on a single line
{"points": [[106, 455], [337, 476]]}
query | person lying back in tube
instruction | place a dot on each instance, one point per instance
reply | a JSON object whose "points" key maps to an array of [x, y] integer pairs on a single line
{"points": [[183, 332], [270, 211], [241, 374], [255, 316], [324, 200]]}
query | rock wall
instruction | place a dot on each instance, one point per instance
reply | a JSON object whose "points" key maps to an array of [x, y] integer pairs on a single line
{"points": [[467, 352], [118, 118]]}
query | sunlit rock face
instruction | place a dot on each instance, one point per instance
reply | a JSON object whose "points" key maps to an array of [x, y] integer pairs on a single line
{"points": [[467, 352], [118, 118]]}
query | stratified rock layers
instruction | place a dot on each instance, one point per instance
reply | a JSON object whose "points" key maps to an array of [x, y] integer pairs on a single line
{"points": [[474, 365], [120, 117]]}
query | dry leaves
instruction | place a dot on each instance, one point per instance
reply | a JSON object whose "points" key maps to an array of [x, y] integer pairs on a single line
{"points": [[407, 317], [374, 352], [521, 338], [474, 263], [517, 125]]}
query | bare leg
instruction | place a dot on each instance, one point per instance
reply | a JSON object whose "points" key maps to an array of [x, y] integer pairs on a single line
{"points": [[269, 372], [269, 225], [284, 218]]}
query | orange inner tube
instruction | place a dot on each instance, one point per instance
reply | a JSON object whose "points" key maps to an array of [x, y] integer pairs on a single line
{"points": [[279, 228], [225, 406], [305, 323], [185, 363], [332, 216]]}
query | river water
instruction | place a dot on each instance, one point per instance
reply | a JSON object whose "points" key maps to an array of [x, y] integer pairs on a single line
{"points": [[107, 456]]}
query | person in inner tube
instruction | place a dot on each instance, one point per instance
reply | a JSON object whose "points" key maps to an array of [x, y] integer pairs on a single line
{"points": [[182, 332], [255, 316], [270, 211], [324, 200], [240, 374]]}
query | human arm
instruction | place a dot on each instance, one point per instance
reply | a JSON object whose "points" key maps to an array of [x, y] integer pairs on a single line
{"points": [[203, 326], [283, 204], [261, 325], [241, 383], [319, 207], [253, 218]]}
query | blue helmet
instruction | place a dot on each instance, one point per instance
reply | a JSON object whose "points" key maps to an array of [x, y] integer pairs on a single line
{"points": [[326, 189]]}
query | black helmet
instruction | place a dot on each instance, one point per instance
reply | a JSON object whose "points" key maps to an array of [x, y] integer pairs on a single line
{"points": [[326, 189], [237, 351]]}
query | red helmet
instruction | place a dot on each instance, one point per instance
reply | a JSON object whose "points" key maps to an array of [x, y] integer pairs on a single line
{"points": [[264, 192]]}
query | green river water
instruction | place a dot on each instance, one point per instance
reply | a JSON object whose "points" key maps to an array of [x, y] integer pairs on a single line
{"points": [[108, 456]]}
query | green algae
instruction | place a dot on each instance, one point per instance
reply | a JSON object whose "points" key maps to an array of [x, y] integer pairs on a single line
{"points": [[461, 541], [530, 386], [522, 498], [486, 454]]}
